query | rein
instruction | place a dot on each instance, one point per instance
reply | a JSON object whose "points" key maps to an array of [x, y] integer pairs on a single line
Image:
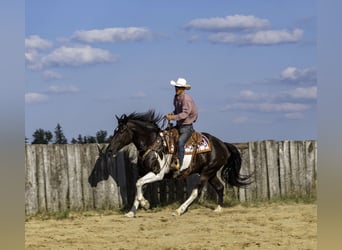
{"points": [[153, 147]]}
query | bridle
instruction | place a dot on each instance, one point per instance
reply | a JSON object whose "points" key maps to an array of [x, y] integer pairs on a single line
{"points": [[153, 148], [160, 141]]}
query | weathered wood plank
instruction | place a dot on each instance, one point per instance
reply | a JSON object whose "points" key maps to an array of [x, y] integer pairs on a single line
{"points": [[310, 167], [283, 167], [315, 166], [31, 197], [115, 191], [244, 194], [252, 188], [81, 160], [272, 168], [301, 167], [40, 178], [47, 177], [295, 181], [261, 170], [62, 175], [100, 191], [74, 178]]}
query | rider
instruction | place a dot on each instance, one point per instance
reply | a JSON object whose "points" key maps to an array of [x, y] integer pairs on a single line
{"points": [[185, 113]]}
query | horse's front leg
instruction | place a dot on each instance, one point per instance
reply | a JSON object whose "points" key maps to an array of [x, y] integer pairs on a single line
{"points": [[139, 197]]}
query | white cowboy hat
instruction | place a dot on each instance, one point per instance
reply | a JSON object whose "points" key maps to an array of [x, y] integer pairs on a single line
{"points": [[181, 82]]}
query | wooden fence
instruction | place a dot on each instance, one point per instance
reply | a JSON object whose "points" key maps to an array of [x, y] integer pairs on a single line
{"points": [[57, 176]]}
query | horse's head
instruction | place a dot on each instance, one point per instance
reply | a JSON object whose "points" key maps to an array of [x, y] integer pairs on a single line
{"points": [[100, 171], [137, 128], [123, 135]]}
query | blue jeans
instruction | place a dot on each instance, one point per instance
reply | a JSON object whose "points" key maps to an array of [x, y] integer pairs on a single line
{"points": [[185, 133]]}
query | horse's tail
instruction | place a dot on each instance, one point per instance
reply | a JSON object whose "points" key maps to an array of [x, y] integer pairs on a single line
{"points": [[231, 170]]}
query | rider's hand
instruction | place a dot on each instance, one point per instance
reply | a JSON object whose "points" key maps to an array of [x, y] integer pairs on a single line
{"points": [[169, 116]]}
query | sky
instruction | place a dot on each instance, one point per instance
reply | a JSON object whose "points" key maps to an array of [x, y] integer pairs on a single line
{"points": [[252, 65]]}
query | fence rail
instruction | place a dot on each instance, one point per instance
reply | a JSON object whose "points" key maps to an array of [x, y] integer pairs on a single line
{"points": [[57, 176]]}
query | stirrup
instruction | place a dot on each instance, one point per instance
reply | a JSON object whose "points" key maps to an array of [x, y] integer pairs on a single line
{"points": [[175, 164]]}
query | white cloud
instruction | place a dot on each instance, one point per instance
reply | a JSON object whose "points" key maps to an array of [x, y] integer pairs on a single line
{"points": [[251, 96], [268, 107], [240, 120], [292, 74], [294, 116], [77, 56], [244, 30], [113, 35], [304, 93], [31, 56], [35, 42], [138, 94], [35, 98], [301, 93], [264, 37], [55, 89], [289, 73], [51, 75], [274, 37], [236, 22]]}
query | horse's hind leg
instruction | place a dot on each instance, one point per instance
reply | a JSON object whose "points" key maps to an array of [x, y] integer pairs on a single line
{"points": [[194, 194], [219, 188]]}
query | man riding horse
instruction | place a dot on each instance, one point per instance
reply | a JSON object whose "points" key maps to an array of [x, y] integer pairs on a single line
{"points": [[185, 113]]}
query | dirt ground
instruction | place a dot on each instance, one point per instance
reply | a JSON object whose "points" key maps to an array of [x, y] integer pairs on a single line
{"points": [[271, 226]]}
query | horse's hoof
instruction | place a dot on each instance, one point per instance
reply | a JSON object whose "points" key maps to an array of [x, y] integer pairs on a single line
{"points": [[130, 214], [218, 209], [176, 213], [145, 204]]}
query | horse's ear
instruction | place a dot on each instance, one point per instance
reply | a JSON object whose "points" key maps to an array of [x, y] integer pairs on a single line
{"points": [[99, 148], [123, 118], [117, 118]]}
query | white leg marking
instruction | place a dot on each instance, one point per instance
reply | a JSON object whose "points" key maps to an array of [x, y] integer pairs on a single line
{"points": [[148, 178], [187, 203], [218, 209], [130, 214]]}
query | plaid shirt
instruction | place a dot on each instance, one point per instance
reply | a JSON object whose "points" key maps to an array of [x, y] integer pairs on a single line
{"points": [[185, 109]]}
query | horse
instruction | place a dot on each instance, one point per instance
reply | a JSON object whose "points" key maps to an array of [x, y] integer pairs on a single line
{"points": [[154, 161]]}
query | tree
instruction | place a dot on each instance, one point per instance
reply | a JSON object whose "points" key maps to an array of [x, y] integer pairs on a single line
{"points": [[101, 136], [89, 139], [40, 136], [73, 141], [59, 135], [79, 140]]}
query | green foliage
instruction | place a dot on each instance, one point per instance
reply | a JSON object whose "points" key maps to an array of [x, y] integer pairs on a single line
{"points": [[101, 136], [40, 136], [59, 135]]}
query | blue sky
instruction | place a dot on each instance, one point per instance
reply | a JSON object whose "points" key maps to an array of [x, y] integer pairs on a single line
{"points": [[251, 64]]}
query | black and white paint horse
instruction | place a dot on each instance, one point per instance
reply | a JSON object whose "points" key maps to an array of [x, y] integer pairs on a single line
{"points": [[143, 131]]}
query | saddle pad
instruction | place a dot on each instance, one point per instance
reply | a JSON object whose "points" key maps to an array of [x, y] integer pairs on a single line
{"points": [[202, 147]]}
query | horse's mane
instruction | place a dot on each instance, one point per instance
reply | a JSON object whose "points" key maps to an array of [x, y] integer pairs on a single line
{"points": [[148, 119]]}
